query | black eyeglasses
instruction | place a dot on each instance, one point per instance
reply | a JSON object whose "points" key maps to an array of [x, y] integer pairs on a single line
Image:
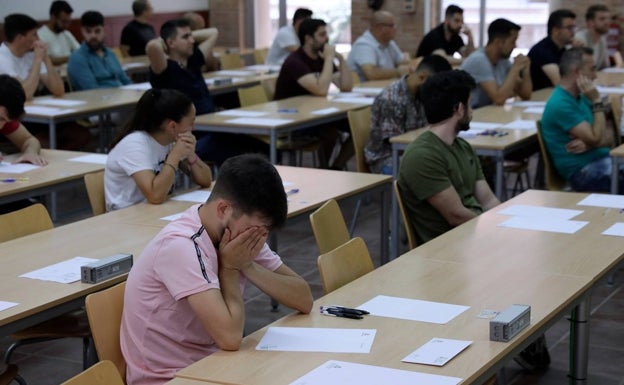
{"points": [[198, 251]]}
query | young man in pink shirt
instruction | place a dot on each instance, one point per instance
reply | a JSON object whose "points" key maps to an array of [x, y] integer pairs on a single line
{"points": [[184, 295]]}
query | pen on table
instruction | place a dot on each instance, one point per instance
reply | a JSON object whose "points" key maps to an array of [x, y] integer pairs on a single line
{"points": [[12, 180], [345, 309], [340, 314], [288, 110], [292, 191]]}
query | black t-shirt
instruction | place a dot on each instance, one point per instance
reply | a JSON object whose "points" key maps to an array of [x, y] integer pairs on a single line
{"points": [[542, 53], [187, 80], [435, 40], [296, 65], [136, 35]]}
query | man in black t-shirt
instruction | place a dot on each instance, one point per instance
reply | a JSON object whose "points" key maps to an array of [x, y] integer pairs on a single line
{"points": [[444, 40], [137, 32]]}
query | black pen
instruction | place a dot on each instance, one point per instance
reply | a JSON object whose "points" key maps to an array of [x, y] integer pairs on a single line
{"points": [[336, 313], [345, 309]]}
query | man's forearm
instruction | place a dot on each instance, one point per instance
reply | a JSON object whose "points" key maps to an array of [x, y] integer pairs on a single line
{"points": [[289, 290]]}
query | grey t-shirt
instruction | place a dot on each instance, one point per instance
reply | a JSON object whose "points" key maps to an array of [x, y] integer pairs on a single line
{"points": [[479, 66]]}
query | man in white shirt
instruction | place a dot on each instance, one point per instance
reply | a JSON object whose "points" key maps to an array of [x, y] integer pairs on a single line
{"points": [[287, 39], [594, 36], [61, 43]]}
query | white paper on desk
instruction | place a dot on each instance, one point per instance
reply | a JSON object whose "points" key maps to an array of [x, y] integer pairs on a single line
{"points": [[42, 110], [287, 183], [325, 111], [470, 133], [329, 340], [133, 65], [553, 225], [521, 124], [413, 309], [527, 103], [234, 73], [7, 305], [355, 100], [438, 351], [137, 86], [616, 230], [259, 121], [59, 102], [539, 212], [91, 158], [603, 200], [263, 68], [211, 81], [610, 90], [242, 113], [16, 168], [613, 70], [172, 217], [534, 110], [198, 196], [367, 90], [483, 126], [339, 373], [63, 272], [343, 95]]}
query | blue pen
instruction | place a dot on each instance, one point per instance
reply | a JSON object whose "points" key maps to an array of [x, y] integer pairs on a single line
{"points": [[288, 110], [292, 191], [12, 180]]}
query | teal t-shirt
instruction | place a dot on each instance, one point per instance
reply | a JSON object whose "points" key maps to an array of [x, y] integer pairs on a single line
{"points": [[562, 113]]}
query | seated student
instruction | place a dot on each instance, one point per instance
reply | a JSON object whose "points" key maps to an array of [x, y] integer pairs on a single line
{"points": [[93, 65], [156, 142], [136, 34], [197, 23], [12, 98], [287, 40], [184, 296], [61, 42], [444, 40], [396, 110], [594, 36]]}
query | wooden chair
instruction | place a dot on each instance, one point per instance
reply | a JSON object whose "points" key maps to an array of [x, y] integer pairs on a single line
{"points": [[269, 87], [411, 236], [260, 55], [344, 264], [359, 124], [94, 182], [616, 114], [9, 375], [102, 373], [554, 181], [231, 61], [104, 310], [19, 223], [329, 227]]}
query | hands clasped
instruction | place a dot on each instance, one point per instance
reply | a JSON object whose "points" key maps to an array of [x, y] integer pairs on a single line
{"points": [[238, 253]]}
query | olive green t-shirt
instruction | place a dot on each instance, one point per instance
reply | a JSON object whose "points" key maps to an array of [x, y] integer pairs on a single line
{"points": [[430, 166]]}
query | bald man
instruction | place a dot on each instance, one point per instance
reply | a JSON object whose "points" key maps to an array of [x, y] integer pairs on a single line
{"points": [[375, 55]]}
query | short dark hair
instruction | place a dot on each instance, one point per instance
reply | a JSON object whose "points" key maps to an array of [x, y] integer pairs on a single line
{"points": [[308, 27], [254, 186], [573, 59], [301, 14], [442, 92], [138, 7], [593, 10], [501, 29], [18, 24], [555, 19], [169, 30], [453, 9], [60, 6], [92, 19], [12, 96], [434, 64]]}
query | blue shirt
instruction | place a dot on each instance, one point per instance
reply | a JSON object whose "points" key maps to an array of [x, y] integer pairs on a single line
{"points": [[88, 70]]}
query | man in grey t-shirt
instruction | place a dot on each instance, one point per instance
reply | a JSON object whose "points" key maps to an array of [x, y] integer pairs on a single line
{"points": [[497, 79]]}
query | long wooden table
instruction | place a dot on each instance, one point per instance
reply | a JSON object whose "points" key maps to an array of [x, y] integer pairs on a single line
{"points": [[478, 264]]}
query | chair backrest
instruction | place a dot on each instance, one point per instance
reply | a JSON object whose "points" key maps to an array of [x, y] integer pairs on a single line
{"points": [[616, 111], [26, 221], [230, 61], [554, 181], [104, 312], [260, 55], [94, 182], [359, 123], [252, 95], [269, 87], [411, 237], [329, 227], [102, 373], [344, 264]]}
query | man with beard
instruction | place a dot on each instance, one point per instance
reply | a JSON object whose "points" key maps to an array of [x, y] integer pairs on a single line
{"points": [[497, 79], [93, 65], [61, 43], [445, 40], [594, 36], [440, 176]]}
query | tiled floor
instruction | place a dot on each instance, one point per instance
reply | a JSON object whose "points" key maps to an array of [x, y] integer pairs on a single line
{"points": [[53, 362]]}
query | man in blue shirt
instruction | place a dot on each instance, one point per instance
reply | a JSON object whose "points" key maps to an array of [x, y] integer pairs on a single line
{"points": [[93, 65]]}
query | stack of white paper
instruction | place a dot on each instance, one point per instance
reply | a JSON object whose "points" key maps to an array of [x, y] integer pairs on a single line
{"points": [[198, 196], [63, 272], [413, 309], [317, 340], [437, 352]]}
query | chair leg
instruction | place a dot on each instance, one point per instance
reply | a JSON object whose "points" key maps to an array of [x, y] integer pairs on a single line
{"points": [[355, 217]]}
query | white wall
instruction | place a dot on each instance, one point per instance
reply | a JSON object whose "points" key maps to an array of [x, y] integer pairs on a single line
{"points": [[38, 9]]}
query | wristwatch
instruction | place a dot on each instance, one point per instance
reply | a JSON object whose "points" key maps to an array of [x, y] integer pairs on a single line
{"points": [[598, 107]]}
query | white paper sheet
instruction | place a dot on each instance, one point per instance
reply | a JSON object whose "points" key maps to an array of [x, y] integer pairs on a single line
{"points": [[527, 103], [91, 158], [242, 113], [412, 309], [17, 168], [603, 200], [520, 124], [172, 217], [438, 351], [317, 339], [260, 121], [198, 196], [610, 90], [126, 66], [42, 110], [472, 133], [59, 102], [483, 126], [539, 212], [211, 81], [325, 111], [7, 305], [63, 272], [367, 90], [616, 230], [263, 68], [343, 95], [552, 225], [234, 73], [340, 373], [137, 86], [355, 100], [613, 70], [534, 110]]}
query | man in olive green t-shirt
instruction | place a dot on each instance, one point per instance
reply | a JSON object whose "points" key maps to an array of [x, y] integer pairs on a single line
{"points": [[440, 176]]}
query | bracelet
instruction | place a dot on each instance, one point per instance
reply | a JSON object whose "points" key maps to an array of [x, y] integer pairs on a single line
{"points": [[172, 166], [194, 161]]}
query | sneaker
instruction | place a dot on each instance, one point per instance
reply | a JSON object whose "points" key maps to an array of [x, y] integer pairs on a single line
{"points": [[535, 358]]}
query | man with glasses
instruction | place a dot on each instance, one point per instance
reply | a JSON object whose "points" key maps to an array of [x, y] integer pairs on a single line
{"points": [[184, 295], [61, 43], [375, 55], [546, 54]]}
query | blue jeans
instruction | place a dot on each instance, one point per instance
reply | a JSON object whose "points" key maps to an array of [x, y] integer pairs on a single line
{"points": [[596, 176]]}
